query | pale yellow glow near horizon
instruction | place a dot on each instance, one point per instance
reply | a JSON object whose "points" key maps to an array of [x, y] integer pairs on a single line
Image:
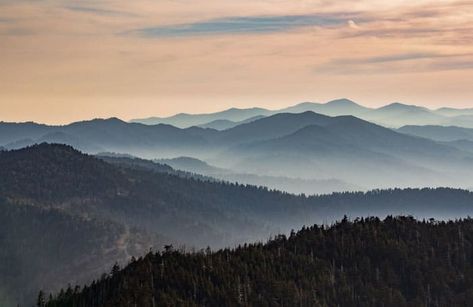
{"points": [[62, 61]]}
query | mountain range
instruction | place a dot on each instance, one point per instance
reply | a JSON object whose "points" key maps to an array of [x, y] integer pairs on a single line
{"points": [[184, 120], [99, 135], [63, 211], [289, 184], [368, 262], [393, 115], [338, 152], [458, 137], [439, 133], [76, 199], [310, 145]]}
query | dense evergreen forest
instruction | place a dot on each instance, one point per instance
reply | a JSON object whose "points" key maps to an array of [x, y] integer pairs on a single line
{"points": [[48, 248], [65, 216], [369, 262]]}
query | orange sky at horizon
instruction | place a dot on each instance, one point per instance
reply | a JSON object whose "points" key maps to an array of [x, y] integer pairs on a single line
{"points": [[63, 61]]}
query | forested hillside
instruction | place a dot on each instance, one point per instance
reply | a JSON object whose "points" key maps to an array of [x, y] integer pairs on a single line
{"points": [[184, 153], [47, 248], [55, 200], [291, 146], [368, 262]]}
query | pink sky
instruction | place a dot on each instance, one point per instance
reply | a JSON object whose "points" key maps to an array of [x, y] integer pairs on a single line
{"points": [[62, 61]]}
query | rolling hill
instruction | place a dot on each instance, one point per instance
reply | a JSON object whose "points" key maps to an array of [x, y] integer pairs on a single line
{"points": [[439, 133], [332, 108], [58, 201], [184, 120], [310, 145], [454, 112], [45, 248], [368, 262], [289, 184], [398, 114], [393, 115], [227, 118], [102, 135], [224, 124]]}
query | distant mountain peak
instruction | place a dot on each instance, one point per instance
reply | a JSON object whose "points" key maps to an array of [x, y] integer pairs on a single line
{"points": [[402, 106], [189, 161], [454, 109], [397, 105], [342, 102], [36, 148], [305, 103], [109, 119], [305, 114], [114, 120]]}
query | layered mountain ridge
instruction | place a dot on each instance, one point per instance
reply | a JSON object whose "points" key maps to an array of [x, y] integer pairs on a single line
{"points": [[392, 115], [368, 262], [79, 212], [308, 146]]}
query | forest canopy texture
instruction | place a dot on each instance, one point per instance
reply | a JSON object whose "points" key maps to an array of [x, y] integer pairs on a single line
{"points": [[67, 217], [369, 262]]}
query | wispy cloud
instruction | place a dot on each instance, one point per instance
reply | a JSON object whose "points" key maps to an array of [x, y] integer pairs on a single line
{"points": [[6, 20], [174, 56], [254, 24], [391, 58], [399, 63], [98, 11], [461, 64]]}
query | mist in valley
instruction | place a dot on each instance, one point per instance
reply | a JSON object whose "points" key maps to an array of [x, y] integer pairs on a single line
{"points": [[133, 187]]}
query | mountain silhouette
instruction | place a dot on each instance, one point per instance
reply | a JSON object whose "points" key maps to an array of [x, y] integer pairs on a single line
{"points": [[393, 115]]}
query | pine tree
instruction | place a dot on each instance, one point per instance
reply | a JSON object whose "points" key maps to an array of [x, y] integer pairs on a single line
{"points": [[41, 300]]}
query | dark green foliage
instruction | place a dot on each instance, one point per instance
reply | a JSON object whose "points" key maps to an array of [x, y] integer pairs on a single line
{"points": [[41, 301], [55, 173], [75, 213], [45, 248], [369, 262]]}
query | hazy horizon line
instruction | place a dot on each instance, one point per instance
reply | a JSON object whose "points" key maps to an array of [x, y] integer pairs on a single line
{"points": [[131, 119]]}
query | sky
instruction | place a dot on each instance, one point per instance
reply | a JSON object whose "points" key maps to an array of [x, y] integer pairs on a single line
{"points": [[62, 61]]}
